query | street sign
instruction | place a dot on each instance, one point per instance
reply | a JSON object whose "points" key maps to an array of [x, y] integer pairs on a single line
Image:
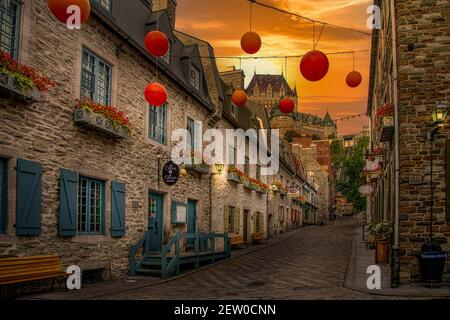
{"points": [[170, 173], [293, 193]]}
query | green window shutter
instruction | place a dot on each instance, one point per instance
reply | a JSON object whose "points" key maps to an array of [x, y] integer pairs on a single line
{"points": [[117, 209], [255, 223], [447, 172], [173, 212], [237, 219], [28, 198], [68, 185], [261, 223], [225, 218]]}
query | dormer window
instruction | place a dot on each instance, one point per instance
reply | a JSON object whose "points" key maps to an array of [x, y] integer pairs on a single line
{"points": [[166, 58], [105, 4], [194, 77]]}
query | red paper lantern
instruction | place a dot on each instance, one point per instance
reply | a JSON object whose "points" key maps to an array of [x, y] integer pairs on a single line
{"points": [[251, 42], [239, 98], [354, 79], [287, 105], [59, 9], [157, 43], [155, 94], [314, 65]]}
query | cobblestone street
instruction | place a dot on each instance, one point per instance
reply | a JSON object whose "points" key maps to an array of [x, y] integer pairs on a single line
{"points": [[312, 264]]}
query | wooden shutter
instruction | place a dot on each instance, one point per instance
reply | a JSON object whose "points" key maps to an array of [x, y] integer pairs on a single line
{"points": [[447, 177], [117, 209], [68, 190], [28, 198], [225, 218]]}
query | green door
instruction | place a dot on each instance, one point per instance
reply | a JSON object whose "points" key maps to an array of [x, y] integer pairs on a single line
{"points": [[155, 221], [191, 220]]}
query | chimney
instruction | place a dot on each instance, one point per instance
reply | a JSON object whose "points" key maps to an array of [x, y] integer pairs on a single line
{"points": [[170, 6], [236, 78]]}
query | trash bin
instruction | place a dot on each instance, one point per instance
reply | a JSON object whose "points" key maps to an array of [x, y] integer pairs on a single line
{"points": [[432, 264]]}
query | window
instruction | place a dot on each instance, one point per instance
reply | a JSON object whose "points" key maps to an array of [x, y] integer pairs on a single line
{"points": [[195, 77], [3, 194], [95, 79], [247, 166], [91, 206], [10, 27], [231, 219], [166, 57], [259, 222], [191, 130], [106, 4], [258, 172], [157, 130], [233, 109]]}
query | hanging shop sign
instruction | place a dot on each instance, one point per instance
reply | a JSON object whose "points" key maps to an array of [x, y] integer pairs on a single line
{"points": [[293, 193], [366, 190], [170, 173]]}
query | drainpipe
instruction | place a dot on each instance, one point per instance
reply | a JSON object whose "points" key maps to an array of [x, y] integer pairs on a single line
{"points": [[395, 276]]}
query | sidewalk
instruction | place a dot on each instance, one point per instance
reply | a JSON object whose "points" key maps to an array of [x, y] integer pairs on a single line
{"points": [[132, 283], [356, 278]]}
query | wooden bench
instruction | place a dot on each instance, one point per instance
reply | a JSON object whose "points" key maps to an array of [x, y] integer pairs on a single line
{"points": [[28, 269], [258, 237], [237, 241]]}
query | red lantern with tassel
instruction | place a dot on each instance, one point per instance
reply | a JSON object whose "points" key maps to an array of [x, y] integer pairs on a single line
{"points": [[239, 98], [287, 105], [354, 79], [314, 65], [157, 43], [59, 9], [251, 42], [155, 94]]}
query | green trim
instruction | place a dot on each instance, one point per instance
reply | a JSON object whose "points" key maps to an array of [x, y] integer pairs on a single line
{"points": [[94, 91], [88, 207], [15, 43], [173, 212], [158, 131]]}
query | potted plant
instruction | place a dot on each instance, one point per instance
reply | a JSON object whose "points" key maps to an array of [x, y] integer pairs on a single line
{"points": [[382, 233]]}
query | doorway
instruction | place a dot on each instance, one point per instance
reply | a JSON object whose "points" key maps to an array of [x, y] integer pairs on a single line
{"points": [[245, 225], [191, 221], [155, 220]]}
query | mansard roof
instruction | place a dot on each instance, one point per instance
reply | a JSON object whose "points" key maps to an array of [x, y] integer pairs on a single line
{"points": [[276, 82]]}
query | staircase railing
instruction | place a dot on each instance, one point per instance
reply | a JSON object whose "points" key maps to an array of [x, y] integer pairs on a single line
{"points": [[143, 244], [167, 269]]}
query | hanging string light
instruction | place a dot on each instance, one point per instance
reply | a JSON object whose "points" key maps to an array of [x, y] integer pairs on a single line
{"points": [[314, 65], [354, 78], [251, 41], [157, 44], [59, 9]]}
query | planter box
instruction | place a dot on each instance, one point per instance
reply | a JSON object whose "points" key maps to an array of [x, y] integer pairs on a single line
{"points": [[234, 177], [98, 122], [247, 185], [261, 191], [202, 169], [387, 129], [9, 90]]}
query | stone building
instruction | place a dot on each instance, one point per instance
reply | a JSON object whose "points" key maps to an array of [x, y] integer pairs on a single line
{"points": [[89, 193], [422, 32]]}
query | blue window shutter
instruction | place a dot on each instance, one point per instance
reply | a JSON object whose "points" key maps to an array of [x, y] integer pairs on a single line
{"points": [[117, 209], [68, 185], [28, 204]]}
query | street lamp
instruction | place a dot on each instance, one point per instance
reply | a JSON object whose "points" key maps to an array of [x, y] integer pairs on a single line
{"points": [[439, 113]]}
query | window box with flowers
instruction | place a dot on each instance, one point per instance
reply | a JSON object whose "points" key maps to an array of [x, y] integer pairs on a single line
{"points": [[198, 165], [385, 122], [19, 82], [235, 175], [106, 119]]}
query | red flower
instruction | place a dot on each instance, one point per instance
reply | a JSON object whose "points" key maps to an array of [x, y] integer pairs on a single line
{"points": [[109, 112]]}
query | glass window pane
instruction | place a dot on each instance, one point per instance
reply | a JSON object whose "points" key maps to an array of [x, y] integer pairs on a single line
{"points": [[158, 124], [9, 26], [95, 79]]}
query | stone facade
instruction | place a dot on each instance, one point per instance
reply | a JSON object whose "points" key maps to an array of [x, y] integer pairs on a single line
{"points": [[423, 34]]}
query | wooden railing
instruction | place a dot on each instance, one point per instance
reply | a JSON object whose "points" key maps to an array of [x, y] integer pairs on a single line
{"points": [[142, 244], [167, 269]]}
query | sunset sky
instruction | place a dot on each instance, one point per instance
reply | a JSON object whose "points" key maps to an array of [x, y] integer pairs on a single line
{"points": [[222, 23]]}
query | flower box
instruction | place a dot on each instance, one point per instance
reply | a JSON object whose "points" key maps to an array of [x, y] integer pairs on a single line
{"points": [[262, 191], [234, 177], [387, 128], [9, 90], [247, 185], [199, 168], [98, 122]]}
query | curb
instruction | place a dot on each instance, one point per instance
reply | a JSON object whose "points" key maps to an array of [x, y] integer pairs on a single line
{"points": [[349, 282]]}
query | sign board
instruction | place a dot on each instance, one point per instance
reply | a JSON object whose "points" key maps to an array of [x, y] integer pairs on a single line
{"points": [[293, 193], [180, 213], [170, 173]]}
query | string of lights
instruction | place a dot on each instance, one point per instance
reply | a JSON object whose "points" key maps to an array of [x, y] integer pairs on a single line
{"points": [[314, 21]]}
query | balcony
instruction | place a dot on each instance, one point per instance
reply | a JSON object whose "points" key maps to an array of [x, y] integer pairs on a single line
{"points": [[95, 121], [10, 91], [387, 128]]}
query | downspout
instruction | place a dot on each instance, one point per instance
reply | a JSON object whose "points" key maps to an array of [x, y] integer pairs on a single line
{"points": [[395, 280]]}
